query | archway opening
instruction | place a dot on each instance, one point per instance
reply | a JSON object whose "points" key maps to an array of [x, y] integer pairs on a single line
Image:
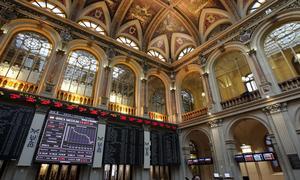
{"points": [[199, 155], [122, 94], [192, 93], [157, 99], [255, 151], [234, 77]]}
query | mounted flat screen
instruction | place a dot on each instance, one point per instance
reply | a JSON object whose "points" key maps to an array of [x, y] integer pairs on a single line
{"points": [[269, 156], [67, 138], [15, 123], [255, 157], [200, 161]]}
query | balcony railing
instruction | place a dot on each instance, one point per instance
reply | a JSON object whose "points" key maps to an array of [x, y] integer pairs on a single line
{"points": [[157, 116], [75, 98], [244, 98], [290, 84], [17, 85], [193, 114], [121, 108]]}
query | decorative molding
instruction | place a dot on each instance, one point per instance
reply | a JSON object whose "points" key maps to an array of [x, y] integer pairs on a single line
{"points": [[274, 108], [215, 123]]}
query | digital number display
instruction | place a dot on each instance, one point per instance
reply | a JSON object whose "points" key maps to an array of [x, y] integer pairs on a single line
{"points": [[67, 138]]}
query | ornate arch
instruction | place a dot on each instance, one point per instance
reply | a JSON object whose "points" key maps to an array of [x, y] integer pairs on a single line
{"points": [[138, 71], [65, 7], [167, 83], [161, 45], [95, 13], [19, 25], [95, 50], [178, 83], [210, 18], [195, 129], [228, 127], [179, 41], [133, 31], [261, 32]]}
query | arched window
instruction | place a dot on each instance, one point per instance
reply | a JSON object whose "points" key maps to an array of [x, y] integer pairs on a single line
{"points": [[156, 54], [256, 5], [80, 73], [156, 92], [158, 103], [230, 69], [185, 51], [187, 101], [249, 82], [93, 26], [26, 57], [270, 148], [49, 7], [128, 42], [282, 48], [123, 86]]}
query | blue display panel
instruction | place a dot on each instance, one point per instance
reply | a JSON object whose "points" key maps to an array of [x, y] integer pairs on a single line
{"points": [[67, 138]]}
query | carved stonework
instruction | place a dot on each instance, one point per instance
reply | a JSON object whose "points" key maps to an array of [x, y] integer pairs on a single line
{"points": [[111, 53], [215, 123], [275, 108], [66, 35], [245, 35], [202, 60]]}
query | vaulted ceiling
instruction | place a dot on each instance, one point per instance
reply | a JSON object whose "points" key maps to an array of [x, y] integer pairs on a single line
{"points": [[166, 26]]}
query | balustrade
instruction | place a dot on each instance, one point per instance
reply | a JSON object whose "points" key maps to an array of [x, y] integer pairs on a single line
{"points": [[18, 85], [290, 84], [75, 98], [121, 108], [244, 98], [193, 114], [158, 116]]}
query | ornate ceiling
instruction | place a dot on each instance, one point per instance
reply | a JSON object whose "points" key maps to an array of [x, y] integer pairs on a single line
{"points": [[166, 26]]}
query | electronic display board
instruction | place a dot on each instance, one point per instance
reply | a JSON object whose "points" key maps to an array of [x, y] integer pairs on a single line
{"points": [[15, 124], [255, 157], [200, 161], [67, 138]]}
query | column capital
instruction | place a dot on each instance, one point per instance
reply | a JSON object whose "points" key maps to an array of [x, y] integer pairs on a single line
{"points": [[107, 68], [60, 52], [215, 123], [144, 80], [275, 108], [205, 74], [252, 52]]}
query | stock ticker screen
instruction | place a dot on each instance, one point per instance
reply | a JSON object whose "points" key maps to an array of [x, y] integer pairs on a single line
{"points": [[67, 138]]}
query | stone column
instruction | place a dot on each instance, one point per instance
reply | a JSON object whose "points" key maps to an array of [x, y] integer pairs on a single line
{"points": [[184, 170], [104, 92], [207, 90], [231, 152], [223, 159], [144, 98], [263, 83], [285, 136], [55, 71], [175, 118]]}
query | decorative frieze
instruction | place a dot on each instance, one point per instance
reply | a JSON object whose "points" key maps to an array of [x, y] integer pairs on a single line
{"points": [[275, 108], [215, 123]]}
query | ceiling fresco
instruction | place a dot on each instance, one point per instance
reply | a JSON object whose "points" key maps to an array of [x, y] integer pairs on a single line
{"points": [[146, 21]]}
